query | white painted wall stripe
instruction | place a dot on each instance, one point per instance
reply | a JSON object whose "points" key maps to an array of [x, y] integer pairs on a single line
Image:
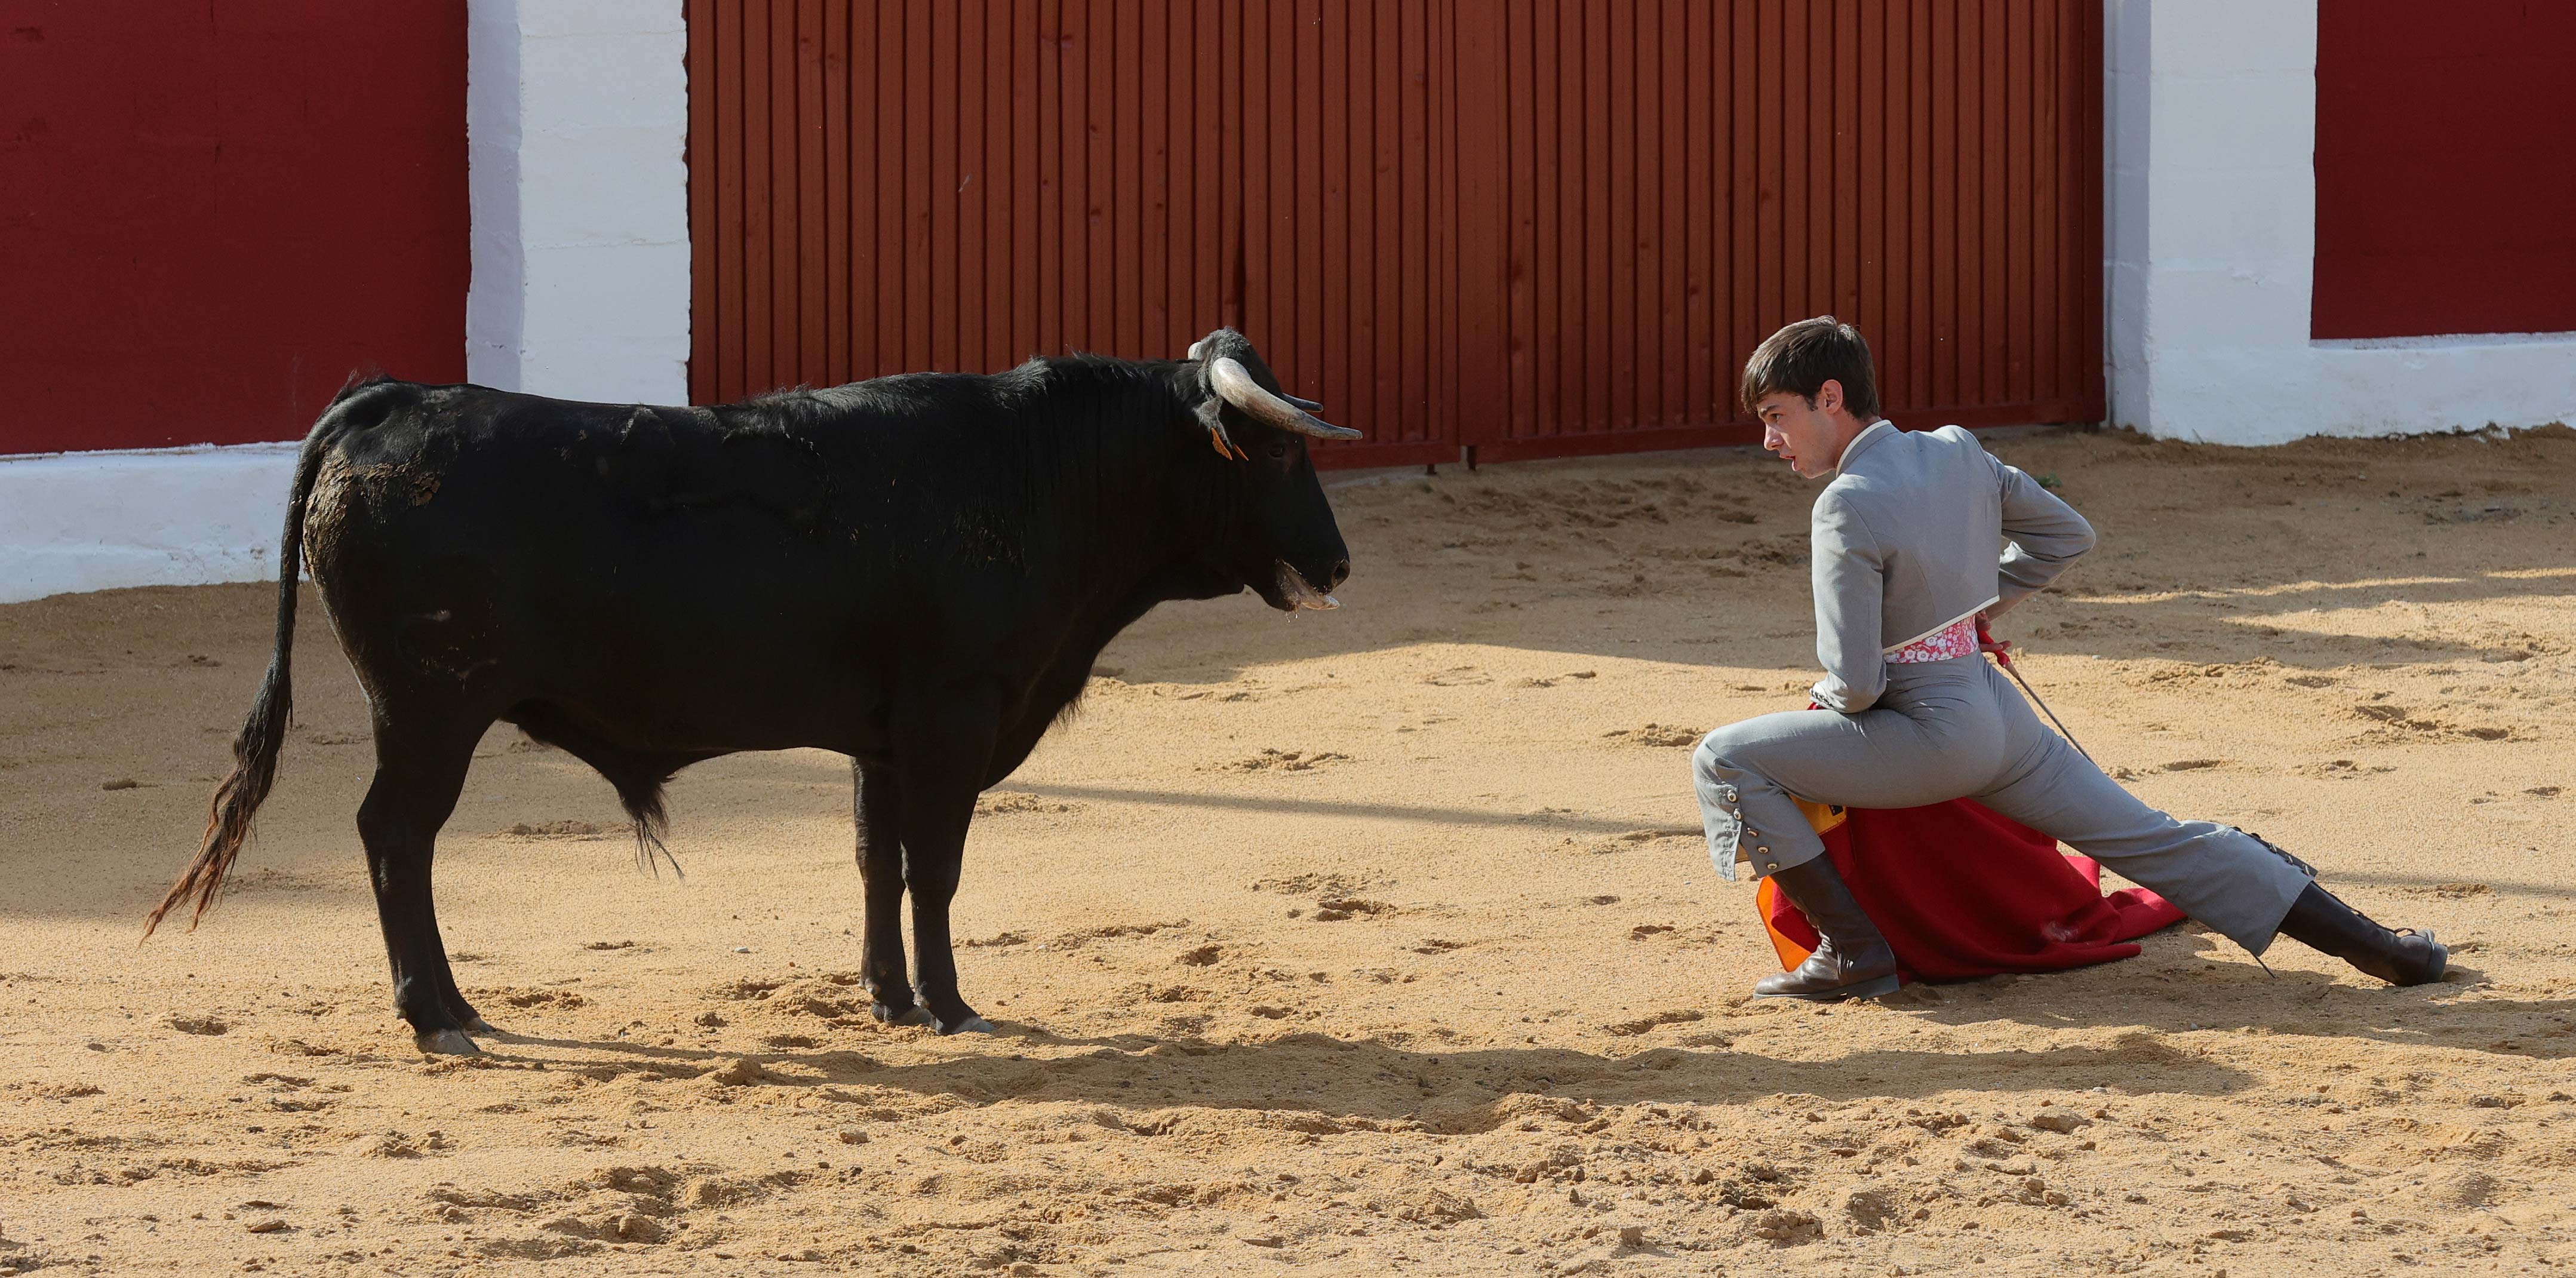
{"points": [[577, 122]]}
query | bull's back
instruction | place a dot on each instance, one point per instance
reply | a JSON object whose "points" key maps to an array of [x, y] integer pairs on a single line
{"points": [[631, 561]]}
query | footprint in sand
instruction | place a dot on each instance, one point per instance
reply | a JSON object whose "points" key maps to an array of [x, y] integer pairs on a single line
{"points": [[1287, 761], [1647, 1024], [1017, 803], [552, 830], [1336, 909], [1659, 735]]}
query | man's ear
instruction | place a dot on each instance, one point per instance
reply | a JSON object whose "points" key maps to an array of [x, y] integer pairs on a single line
{"points": [[1829, 396]]}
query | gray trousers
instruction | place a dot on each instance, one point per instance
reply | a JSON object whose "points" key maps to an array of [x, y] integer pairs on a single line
{"points": [[1956, 729]]}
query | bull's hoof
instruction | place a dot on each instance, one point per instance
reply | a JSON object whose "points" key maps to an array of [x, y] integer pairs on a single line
{"points": [[971, 1024], [477, 1025], [913, 1015], [446, 1042]]}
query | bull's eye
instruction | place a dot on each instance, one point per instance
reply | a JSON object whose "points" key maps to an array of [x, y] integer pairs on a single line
{"points": [[1278, 451]]}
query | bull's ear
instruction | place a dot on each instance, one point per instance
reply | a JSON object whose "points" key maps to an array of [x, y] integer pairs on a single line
{"points": [[1211, 414]]}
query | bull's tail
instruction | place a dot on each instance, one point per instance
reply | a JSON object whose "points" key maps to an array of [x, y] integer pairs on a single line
{"points": [[264, 733]]}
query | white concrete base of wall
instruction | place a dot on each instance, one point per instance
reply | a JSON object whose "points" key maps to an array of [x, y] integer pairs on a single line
{"points": [[163, 517]]}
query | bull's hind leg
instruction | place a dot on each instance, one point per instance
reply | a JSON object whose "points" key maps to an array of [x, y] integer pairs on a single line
{"points": [[873, 804], [419, 772], [946, 741]]}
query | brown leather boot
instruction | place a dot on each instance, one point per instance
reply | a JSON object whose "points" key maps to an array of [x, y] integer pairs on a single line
{"points": [[1851, 959], [2320, 921]]}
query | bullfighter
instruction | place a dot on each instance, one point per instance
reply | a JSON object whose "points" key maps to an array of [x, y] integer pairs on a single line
{"points": [[1906, 571]]}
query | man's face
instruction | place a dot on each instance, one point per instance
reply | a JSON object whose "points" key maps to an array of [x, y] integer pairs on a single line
{"points": [[1808, 436]]}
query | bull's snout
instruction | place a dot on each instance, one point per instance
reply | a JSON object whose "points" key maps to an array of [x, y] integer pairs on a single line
{"points": [[1341, 573]]}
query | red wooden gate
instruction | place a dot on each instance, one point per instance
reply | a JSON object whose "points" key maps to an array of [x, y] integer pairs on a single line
{"points": [[210, 214], [1533, 227]]}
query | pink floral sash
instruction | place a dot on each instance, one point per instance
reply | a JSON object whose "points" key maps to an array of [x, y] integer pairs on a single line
{"points": [[1958, 639]]}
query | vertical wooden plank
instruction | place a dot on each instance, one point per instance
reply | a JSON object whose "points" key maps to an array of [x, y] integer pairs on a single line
{"points": [[2051, 283], [930, 139], [1058, 151], [1305, 49], [1707, 210], [1271, 171], [1440, 421], [1208, 146], [2082, 238], [1362, 399], [1870, 150], [1551, 199], [1598, 119], [1895, 362], [1247, 188], [1330, 376], [1944, 203], [1823, 173], [1233, 263], [719, 160], [866, 133], [1774, 296], [835, 262], [758, 307], [1417, 303], [896, 145], [1849, 93], [1796, 116], [1087, 195], [695, 61], [974, 253], [1993, 212], [812, 329], [1521, 196], [1920, 108], [1619, 247], [1152, 241], [2018, 89], [1121, 216], [1753, 205], [785, 271], [1672, 229], [1482, 336], [1030, 303], [1702, 225]]}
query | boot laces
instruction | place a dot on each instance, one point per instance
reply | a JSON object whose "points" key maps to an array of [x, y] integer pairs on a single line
{"points": [[2279, 851]]}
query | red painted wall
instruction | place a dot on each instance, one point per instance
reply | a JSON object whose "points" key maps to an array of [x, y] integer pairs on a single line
{"points": [[211, 213], [2446, 174]]}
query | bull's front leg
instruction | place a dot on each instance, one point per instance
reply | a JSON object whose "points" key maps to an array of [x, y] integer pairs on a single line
{"points": [[878, 817], [944, 756]]}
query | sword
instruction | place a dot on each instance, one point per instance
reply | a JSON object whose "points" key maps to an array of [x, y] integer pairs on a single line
{"points": [[1987, 642]]}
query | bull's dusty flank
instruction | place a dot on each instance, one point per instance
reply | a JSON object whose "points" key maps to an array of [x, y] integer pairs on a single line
{"points": [[1380, 943]]}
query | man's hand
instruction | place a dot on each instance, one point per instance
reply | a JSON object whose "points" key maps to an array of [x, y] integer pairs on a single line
{"points": [[1986, 642]]}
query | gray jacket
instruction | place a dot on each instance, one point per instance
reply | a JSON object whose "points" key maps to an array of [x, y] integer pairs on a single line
{"points": [[1905, 542]]}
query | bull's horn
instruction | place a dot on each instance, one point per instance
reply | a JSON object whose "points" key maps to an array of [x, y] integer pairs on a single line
{"points": [[1234, 384], [1194, 347], [1310, 405]]}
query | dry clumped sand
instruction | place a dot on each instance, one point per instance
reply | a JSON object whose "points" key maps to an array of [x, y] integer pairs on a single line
{"points": [[1378, 942]]}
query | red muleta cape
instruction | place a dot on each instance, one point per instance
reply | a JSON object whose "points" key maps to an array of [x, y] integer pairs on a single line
{"points": [[1960, 891]]}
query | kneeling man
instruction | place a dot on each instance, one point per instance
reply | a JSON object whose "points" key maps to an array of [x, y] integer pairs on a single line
{"points": [[1906, 567]]}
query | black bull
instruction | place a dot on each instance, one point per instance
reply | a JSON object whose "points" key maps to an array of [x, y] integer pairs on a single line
{"points": [[916, 571]]}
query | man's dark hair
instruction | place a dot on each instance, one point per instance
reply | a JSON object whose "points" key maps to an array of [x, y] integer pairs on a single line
{"points": [[1799, 359]]}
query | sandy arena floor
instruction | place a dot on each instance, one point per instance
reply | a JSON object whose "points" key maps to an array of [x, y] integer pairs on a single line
{"points": [[1382, 942]]}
